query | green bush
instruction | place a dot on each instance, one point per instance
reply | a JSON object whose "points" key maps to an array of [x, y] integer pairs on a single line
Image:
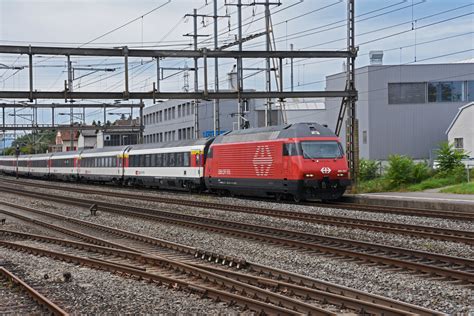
{"points": [[368, 169], [449, 158], [400, 170], [421, 171]]}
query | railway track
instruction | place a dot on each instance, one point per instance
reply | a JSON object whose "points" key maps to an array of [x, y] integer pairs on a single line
{"points": [[452, 215], [429, 264], [19, 298], [380, 226], [408, 211], [306, 290]]}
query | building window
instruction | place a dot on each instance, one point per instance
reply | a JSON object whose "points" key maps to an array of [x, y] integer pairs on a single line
{"points": [[470, 91], [459, 143], [406, 93], [364, 137], [448, 91], [245, 106], [173, 112]]}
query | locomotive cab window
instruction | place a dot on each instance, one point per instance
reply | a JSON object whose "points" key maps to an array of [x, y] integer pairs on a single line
{"points": [[321, 149], [290, 149]]}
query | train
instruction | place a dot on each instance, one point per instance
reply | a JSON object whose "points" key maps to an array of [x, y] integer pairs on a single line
{"points": [[300, 161]]}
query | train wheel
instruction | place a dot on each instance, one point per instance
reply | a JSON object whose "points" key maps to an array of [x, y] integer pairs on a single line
{"points": [[297, 198], [278, 197]]}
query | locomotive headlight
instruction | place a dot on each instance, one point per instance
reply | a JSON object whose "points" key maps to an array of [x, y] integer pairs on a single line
{"points": [[309, 175], [341, 173]]}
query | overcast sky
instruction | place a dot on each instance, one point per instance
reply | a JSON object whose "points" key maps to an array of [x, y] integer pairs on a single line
{"points": [[431, 31]]}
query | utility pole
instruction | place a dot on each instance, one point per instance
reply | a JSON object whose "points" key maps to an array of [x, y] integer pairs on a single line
{"points": [[291, 70], [240, 72], [196, 83], [216, 109], [268, 68], [268, 73], [195, 36], [70, 89], [352, 124]]}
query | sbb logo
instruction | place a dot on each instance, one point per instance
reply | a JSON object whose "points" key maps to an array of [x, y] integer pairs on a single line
{"points": [[325, 170]]}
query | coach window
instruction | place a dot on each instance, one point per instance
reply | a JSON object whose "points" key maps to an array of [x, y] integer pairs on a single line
{"points": [[152, 160], [186, 159], [158, 160], [172, 160], [147, 161], [179, 159]]}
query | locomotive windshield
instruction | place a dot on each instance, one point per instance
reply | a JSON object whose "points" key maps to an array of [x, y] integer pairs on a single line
{"points": [[321, 149]]}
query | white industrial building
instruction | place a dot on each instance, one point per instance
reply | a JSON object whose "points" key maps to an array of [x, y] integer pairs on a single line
{"points": [[461, 130]]}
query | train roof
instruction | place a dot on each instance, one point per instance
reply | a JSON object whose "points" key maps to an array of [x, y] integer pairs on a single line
{"points": [[105, 149], [181, 143], [47, 155], [296, 130]]}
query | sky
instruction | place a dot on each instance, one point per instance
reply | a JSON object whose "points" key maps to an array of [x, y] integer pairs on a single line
{"points": [[408, 31]]}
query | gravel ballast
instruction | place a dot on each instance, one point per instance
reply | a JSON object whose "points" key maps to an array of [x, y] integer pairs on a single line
{"points": [[438, 295], [92, 292]]}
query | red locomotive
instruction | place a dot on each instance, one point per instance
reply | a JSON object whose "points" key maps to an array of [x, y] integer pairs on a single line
{"points": [[300, 161], [303, 160]]}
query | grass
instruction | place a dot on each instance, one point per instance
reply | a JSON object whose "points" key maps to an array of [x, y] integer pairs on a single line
{"points": [[463, 188], [432, 183], [372, 186], [384, 185]]}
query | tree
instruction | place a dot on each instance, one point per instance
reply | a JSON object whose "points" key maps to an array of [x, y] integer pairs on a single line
{"points": [[450, 158], [30, 144]]}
